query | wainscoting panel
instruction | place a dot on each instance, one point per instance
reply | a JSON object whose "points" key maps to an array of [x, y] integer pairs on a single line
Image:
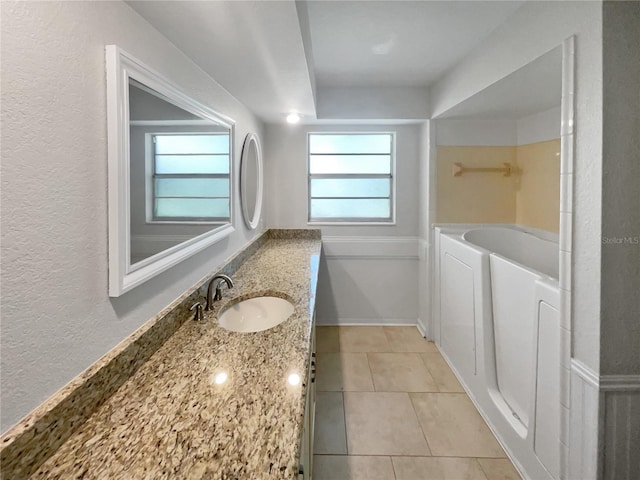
{"points": [[369, 281], [621, 448], [605, 425], [371, 247], [584, 423]]}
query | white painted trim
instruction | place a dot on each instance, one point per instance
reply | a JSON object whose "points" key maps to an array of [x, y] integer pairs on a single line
{"points": [[422, 328], [140, 243], [378, 322], [122, 275], [161, 238], [393, 198], [251, 223], [423, 249], [371, 247], [585, 373], [352, 224], [620, 383]]}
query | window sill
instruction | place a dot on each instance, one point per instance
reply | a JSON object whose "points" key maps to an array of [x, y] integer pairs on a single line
{"points": [[352, 224]]}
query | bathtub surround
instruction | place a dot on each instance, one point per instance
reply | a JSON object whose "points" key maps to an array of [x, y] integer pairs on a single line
{"points": [[530, 196], [166, 366], [475, 197], [538, 192]]}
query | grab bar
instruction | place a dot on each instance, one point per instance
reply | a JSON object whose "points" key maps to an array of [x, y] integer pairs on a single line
{"points": [[459, 169]]}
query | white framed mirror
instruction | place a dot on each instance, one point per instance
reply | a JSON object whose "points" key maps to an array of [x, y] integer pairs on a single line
{"points": [[170, 173], [251, 181]]}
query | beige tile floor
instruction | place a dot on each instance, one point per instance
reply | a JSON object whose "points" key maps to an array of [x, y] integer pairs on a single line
{"points": [[390, 408]]}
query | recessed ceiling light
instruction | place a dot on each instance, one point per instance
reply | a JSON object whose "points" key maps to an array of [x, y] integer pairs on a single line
{"points": [[293, 117]]}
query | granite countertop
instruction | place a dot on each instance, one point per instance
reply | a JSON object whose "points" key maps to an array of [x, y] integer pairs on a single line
{"points": [[171, 419]]}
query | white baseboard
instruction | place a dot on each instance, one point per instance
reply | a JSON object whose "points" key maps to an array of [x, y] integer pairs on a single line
{"points": [[378, 322], [422, 328]]}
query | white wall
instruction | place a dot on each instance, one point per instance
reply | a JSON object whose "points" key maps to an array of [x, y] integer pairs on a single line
{"points": [[534, 29], [539, 127], [372, 103], [57, 318], [476, 132], [370, 272]]}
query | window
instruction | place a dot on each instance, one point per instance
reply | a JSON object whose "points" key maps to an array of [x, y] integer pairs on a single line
{"points": [[191, 177], [351, 177]]}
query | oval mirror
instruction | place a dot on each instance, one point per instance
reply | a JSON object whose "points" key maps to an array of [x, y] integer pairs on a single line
{"points": [[251, 181]]}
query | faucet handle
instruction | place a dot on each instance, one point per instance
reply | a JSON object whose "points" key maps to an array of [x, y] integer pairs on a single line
{"points": [[199, 315]]}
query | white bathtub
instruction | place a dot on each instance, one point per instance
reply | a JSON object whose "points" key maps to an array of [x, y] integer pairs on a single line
{"points": [[497, 323]]}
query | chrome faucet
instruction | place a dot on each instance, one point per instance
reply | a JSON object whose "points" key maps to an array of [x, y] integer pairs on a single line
{"points": [[218, 295]]}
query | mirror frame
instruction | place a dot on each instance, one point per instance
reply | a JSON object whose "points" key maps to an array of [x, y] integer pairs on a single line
{"points": [[122, 275], [252, 223]]}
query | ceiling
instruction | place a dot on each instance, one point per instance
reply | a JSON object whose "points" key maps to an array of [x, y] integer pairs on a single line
{"points": [[254, 49], [397, 43], [534, 88], [273, 55]]}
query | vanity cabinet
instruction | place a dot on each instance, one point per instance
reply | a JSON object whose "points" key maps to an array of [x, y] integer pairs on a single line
{"points": [[306, 450]]}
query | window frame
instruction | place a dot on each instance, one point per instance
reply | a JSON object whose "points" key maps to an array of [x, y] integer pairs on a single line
{"points": [[152, 218], [391, 220]]}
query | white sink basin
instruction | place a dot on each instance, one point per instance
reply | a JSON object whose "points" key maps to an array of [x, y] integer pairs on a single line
{"points": [[255, 314]]}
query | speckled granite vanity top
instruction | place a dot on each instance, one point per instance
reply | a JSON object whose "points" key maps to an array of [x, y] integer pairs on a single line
{"points": [[172, 420]]}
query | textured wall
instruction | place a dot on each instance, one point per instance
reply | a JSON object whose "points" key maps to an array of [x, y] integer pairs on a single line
{"points": [[57, 318], [620, 329]]}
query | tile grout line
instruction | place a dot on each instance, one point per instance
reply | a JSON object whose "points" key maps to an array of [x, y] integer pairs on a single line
{"points": [[344, 417], [481, 469], [426, 365], [420, 423], [393, 467], [373, 381], [344, 408]]}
